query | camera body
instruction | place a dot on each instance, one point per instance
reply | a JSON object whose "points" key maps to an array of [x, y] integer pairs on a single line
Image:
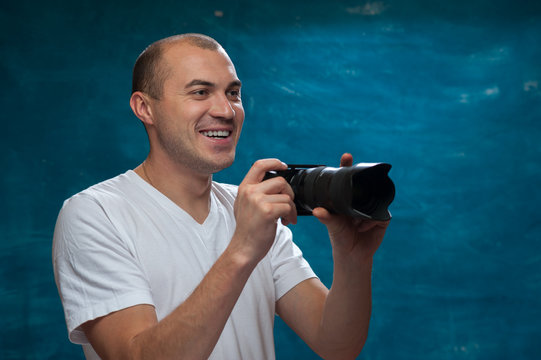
{"points": [[362, 190]]}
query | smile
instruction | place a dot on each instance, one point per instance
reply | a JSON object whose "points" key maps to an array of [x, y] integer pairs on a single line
{"points": [[220, 134]]}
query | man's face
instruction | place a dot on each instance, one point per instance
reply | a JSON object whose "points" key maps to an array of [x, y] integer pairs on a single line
{"points": [[199, 117]]}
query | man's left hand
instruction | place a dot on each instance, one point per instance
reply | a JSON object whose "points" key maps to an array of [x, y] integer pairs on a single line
{"points": [[355, 239]]}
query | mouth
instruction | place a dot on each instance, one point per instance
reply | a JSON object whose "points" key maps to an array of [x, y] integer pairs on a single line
{"points": [[216, 134]]}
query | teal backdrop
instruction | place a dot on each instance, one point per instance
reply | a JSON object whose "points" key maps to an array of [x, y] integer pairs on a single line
{"points": [[448, 92]]}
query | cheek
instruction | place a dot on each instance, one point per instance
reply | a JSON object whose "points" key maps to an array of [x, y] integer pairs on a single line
{"points": [[239, 113], [194, 108], [186, 118], [241, 122], [239, 125]]}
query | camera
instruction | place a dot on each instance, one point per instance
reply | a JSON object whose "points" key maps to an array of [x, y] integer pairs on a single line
{"points": [[362, 190]]}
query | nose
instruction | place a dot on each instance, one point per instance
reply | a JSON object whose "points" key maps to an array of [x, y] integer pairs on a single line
{"points": [[222, 108]]}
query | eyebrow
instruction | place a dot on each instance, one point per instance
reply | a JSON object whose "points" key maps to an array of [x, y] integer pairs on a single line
{"points": [[197, 82]]}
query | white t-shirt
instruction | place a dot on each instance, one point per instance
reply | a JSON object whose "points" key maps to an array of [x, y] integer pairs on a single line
{"points": [[122, 243]]}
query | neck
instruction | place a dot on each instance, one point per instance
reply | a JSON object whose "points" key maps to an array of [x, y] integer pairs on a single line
{"points": [[189, 190]]}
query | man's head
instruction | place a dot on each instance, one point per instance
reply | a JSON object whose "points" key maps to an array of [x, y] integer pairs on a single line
{"points": [[150, 72], [187, 94]]}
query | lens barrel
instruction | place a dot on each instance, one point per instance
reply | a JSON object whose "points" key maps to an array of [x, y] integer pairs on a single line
{"points": [[362, 190]]}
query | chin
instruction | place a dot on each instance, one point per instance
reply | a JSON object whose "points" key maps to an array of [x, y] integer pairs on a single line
{"points": [[222, 165], [217, 164]]}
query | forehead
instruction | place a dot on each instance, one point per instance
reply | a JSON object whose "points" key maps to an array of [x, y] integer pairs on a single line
{"points": [[187, 62]]}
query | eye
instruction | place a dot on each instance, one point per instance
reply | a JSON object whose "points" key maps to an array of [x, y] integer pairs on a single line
{"points": [[200, 93], [234, 94]]}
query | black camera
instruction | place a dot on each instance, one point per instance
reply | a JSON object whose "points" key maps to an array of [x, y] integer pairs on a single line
{"points": [[362, 190]]}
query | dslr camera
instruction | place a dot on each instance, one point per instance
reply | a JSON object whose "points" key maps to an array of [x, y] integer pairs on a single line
{"points": [[362, 190]]}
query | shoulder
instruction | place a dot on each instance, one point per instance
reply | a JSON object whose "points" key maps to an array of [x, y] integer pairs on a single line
{"points": [[225, 192], [111, 190], [95, 219], [225, 188], [95, 205]]}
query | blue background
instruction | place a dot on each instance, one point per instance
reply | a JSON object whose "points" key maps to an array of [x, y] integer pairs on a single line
{"points": [[448, 92]]}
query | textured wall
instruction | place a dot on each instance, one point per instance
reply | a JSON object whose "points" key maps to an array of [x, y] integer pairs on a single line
{"points": [[448, 92]]}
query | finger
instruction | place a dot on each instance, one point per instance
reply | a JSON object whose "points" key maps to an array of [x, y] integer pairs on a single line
{"points": [[279, 198], [277, 185], [325, 216], [366, 225], [346, 160], [260, 167], [290, 214], [290, 218], [277, 210]]}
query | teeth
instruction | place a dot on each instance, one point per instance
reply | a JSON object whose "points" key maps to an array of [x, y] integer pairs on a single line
{"points": [[216, 134]]}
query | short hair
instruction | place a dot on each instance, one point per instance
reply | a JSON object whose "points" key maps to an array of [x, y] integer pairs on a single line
{"points": [[149, 71]]}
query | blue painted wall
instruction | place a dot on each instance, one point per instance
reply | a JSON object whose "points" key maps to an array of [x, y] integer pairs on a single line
{"points": [[449, 92]]}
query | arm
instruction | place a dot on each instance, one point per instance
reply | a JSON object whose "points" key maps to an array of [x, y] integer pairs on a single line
{"points": [[192, 330], [334, 323]]}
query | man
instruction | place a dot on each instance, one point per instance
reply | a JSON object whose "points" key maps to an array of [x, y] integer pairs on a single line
{"points": [[163, 263]]}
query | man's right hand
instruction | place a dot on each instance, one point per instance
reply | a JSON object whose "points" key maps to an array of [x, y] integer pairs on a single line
{"points": [[259, 206]]}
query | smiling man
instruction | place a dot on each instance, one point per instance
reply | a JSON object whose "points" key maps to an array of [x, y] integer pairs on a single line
{"points": [[161, 262]]}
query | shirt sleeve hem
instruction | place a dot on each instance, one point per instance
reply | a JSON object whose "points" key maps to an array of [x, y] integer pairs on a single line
{"points": [[76, 334], [289, 282]]}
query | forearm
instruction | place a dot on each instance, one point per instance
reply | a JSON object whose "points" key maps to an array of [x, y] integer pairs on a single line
{"points": [[192, 330], [346, 315]]}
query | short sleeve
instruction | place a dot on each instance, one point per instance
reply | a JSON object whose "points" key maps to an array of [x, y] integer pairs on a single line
{"points": [[289, 267], [95, 271]]}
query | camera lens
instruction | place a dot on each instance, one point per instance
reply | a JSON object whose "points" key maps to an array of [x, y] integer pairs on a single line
{"points": [[362, 190]]}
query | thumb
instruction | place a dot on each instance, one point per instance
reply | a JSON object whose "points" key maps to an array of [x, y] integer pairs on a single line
{"points": [[326, 218]]}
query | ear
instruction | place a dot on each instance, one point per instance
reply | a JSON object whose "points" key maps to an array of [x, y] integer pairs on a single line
{"points": [[141, 107]]}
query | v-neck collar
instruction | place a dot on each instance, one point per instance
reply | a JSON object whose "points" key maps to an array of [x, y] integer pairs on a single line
{"points": [[171, 206]]}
